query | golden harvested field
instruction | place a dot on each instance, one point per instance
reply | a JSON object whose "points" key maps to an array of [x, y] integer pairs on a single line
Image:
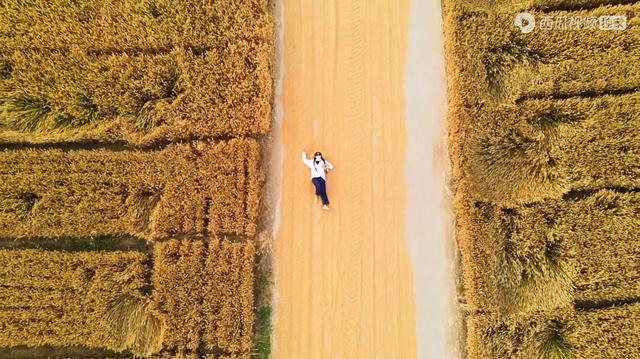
{"points": [[545, 146], [134, 71], [57, 298], [214, 286], [186, 189], [201, 294], [131, 177]]}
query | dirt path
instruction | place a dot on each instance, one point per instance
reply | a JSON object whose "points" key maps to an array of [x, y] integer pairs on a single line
{"points": [[429, 215], [344, 286]]}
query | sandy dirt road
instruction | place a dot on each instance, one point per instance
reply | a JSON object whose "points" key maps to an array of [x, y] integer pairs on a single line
{"points": [[344, 284]]}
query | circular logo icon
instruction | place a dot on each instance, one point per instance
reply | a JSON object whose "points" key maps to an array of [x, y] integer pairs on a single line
{"points": [[525, 21]]}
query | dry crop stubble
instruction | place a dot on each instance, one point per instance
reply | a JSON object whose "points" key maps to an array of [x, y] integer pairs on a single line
{"points": [[72, 299], [145, 99], [205, 292], [544, 142], [105, 90], [132, 26], [140, 72], [198, 189]]}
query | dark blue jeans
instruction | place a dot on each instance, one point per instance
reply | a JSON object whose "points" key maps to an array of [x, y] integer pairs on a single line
{"points": [[321, 189]]}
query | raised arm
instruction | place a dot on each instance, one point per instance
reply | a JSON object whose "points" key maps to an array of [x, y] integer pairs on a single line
{"points": [[307, 162]]}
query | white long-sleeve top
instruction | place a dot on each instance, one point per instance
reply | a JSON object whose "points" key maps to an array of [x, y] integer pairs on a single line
{"points": [[317, 169]]}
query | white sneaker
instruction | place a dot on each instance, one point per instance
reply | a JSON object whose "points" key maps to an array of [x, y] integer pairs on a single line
{"points": [[325, 207]]}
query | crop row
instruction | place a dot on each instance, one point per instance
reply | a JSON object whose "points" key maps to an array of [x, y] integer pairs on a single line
{"points": [[132, 25], [73, 299], [534, 117], [542, 113], [139, 99], [560, 63], [545, 148], [580, 250], [509, 65], [206, 294], [201, 293], [604, 333], [195, 189]]}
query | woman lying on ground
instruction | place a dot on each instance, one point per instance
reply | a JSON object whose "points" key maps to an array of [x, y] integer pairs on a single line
{"points": [[319, 169]]}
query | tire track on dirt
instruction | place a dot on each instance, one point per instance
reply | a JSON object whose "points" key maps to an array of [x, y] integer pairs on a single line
{"points": [[356, 117]]}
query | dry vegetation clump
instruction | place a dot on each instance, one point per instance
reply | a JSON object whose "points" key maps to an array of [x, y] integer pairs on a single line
{"points": [[597, 138], [75, 299], [135, 326], [139, 71], [205, 292], [534, 335], [582, 334], [606, 333], [545, 145], [514, 260], [542, 148], [192, 189], [582, 248], [515, 160], [132, 25], [603, 235]]}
